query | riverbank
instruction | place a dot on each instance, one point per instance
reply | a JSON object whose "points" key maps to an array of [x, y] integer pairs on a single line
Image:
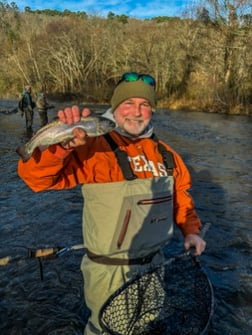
{"points": [[9, 105], [195, 106]]}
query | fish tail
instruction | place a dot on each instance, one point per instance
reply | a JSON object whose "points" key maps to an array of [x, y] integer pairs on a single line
{"points": [[23, 153]]}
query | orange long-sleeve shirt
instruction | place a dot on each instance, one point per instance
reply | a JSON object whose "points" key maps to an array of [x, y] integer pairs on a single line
{"points": [[95, 162]]}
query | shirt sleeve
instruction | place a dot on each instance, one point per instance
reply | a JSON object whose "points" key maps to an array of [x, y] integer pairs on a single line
{"points": [[49, 169], [185, 215]]}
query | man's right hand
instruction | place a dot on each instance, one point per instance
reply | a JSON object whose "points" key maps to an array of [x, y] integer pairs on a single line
{"points": [[71, 115]]}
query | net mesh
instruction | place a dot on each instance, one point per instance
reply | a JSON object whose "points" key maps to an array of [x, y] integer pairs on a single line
{"points": [[175, 298]]}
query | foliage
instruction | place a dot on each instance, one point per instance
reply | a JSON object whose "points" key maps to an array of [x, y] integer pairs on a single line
{"points": [[203, 61]]}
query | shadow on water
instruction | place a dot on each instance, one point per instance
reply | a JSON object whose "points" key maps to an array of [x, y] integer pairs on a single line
{"points": [[217, 151]]}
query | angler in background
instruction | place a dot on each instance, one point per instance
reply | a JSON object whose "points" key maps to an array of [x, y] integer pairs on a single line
{"points": [[26, 106], [135, 187], [42, 107]]}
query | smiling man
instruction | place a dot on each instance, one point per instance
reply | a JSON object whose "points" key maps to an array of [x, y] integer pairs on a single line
{"points": [[135, 188]]}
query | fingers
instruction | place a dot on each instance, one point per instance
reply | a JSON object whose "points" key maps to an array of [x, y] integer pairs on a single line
{"points": [[196, 242], [85, 112], [69, 115], [79, 135], [75, 116], [199, 248], [72, 114], [79, 139]]}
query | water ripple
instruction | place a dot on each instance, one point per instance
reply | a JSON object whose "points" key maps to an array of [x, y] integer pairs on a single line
{"points": [[217, 150]]}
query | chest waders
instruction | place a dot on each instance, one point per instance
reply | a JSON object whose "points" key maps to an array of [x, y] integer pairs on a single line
{"points": [[125, 225], [128, 222]]}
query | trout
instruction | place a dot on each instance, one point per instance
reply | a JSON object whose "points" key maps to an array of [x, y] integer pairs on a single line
{"points": [[59, 132]]}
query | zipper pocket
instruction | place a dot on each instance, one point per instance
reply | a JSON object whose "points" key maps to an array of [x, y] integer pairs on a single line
{"points": [[124, 228], [154, 201]]}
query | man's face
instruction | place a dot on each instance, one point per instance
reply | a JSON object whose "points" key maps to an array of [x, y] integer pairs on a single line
{"points": [[133, 115]]}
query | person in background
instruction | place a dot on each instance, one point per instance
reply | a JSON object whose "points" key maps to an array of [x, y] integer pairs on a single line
{"points": [[134, 185], [42, 107], [27, 105]]}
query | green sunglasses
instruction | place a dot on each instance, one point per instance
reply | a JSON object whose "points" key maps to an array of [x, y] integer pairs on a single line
{"points": [[134, 76]]}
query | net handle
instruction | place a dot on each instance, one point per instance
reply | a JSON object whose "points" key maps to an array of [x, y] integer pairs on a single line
{"points": [[204, 229]]}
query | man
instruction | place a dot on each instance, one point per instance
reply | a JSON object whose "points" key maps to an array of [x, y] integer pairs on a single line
{"points": [[42, 107], [27, 105], [134, 187]]}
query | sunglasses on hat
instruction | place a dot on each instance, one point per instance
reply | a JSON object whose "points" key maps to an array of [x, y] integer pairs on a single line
{"points": [[134, 76]]}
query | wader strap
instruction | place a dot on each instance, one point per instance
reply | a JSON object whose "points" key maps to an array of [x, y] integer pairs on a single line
{"points": [[124, 164], [120, 261], [166, 155], [122, 158]]}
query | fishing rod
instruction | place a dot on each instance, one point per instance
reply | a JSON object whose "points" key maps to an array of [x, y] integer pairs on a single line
{"points": [[40, 254], [54, 252]]}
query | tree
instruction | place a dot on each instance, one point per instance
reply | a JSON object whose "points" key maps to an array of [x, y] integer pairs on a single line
{"points": [[204, 61]]}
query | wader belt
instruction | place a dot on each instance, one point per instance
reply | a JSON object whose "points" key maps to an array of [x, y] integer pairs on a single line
{"points": [[120, 261], [124, 164]]}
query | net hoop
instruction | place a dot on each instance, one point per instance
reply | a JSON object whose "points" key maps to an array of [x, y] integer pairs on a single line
{"points": [[174, 298]]}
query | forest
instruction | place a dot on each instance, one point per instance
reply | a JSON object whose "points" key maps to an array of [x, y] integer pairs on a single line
{"points": [[201, 61]]}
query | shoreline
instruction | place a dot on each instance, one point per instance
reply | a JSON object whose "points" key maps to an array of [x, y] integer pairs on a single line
{"points": [[9, 105]]}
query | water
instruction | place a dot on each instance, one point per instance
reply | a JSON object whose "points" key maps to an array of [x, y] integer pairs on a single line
{"points": [[217, 150]]}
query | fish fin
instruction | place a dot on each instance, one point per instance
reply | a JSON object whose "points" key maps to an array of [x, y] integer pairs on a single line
{"points": [[23, 153], [42, 147]]}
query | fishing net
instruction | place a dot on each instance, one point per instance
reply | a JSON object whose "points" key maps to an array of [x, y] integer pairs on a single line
{"points": [[175, 298]]}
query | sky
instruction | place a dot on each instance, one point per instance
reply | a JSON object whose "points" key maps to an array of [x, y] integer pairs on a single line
{"points": [[133, 8]]}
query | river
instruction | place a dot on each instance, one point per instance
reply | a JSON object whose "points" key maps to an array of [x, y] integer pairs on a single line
{"points": [[217, 151]]}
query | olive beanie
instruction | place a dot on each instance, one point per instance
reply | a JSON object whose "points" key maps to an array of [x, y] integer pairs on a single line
{"points": [[133, 89]]}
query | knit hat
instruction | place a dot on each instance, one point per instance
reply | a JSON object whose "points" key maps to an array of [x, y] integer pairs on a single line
{"points": [[133, 89]]}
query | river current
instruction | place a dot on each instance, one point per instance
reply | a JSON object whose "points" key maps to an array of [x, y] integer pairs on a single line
{"points": [[47, 298]]}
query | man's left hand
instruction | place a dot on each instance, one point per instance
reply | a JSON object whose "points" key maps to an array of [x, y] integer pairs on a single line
{"points": [[196, 242]]}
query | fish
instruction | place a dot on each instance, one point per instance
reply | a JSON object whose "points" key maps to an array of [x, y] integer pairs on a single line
{"points": [[58, 132]]}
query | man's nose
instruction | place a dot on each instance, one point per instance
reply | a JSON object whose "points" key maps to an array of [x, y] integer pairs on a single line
{"points": [[137, 109]]}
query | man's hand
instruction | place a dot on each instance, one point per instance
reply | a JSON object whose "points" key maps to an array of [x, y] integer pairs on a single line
{"points": [[196, 242], [71, 115]]}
